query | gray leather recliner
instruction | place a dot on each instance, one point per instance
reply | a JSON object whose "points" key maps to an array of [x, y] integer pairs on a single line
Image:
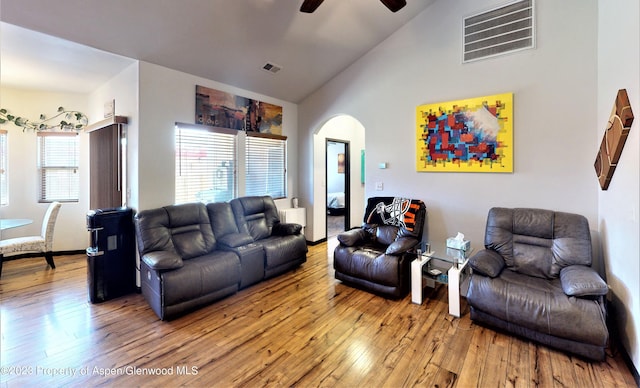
{"points": [[535, 280]]}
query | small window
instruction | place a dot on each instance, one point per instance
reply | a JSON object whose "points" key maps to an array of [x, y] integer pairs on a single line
{"points": [[266, 172], [58, 160], [4, 187], [205, 164]]}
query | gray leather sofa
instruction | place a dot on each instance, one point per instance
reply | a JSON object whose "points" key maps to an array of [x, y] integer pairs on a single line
{"points": [[535, 280], [193, 254], [377, 256]]}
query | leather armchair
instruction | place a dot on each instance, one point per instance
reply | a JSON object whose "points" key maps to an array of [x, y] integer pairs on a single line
{"points": [[377, 256], [534, 279]]}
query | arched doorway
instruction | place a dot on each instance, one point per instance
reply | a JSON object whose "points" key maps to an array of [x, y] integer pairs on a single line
{"points": [[347, 130]]}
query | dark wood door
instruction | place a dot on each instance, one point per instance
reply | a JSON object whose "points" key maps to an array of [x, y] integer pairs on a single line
{"points": [[105, 167]]}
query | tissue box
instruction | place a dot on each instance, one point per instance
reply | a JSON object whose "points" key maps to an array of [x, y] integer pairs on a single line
{"points": [[463, 245]]}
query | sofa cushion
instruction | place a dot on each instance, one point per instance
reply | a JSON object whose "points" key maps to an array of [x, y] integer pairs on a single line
{"points": [[255, 215], [183, 229], [352, 237], [386, 234], [235, 240], [538, 242], [286, 229], [280, 250], [579, 280], [201, 276], [222, 219], [161, 260], [257, 225], [367, 264], [401, 245], [487, 262], [539, 305]]}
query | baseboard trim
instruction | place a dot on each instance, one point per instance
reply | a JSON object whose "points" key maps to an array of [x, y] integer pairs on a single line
{"points": [[615, 338], [37, 254], [629, 363], [317, 242]]}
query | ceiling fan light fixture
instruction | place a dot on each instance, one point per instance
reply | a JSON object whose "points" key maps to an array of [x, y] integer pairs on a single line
{"points": [[394, 5], [308, 6]]}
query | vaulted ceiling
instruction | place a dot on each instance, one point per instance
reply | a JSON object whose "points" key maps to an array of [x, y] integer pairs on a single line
{"points": [[69, 45]]}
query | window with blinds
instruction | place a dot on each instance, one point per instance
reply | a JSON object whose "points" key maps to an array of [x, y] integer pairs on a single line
{"points": [[205, 164], [58, 160], [266, 161], [4, 186]]}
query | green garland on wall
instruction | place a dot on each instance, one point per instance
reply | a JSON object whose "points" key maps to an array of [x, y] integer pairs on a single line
{"points": [[70, 120]]}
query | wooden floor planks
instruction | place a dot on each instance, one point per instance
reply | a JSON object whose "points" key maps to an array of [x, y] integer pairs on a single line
{"points": [[302, 329]]}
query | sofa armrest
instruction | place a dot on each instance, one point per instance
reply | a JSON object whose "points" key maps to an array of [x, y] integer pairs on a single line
{"points": [[352, 237], [159, 260], [286, 229], [580, 280], [487, 262], [235, 240], [401, 245]]}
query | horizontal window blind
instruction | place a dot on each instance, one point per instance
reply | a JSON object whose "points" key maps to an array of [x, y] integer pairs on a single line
{"points": [[205, 164], [4, 186], [266, 161], [58, 161]]}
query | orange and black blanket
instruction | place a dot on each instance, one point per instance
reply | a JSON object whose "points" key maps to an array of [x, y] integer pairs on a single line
{"points": [[397, 211]]}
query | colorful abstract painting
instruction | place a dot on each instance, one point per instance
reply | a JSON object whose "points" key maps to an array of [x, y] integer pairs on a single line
{"points": [[472, 135], [221, 109]]}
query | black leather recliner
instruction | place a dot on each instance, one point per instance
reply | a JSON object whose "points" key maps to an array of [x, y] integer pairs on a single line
{"points": [[377, 256], [535, 280]]}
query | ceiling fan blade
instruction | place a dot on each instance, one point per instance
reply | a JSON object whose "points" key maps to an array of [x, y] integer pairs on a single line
{"points": [[309, 6], [394, 5]]}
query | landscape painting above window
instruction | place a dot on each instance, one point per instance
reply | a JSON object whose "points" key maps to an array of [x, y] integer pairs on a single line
{"points": [[472, 135], [221, 109]]}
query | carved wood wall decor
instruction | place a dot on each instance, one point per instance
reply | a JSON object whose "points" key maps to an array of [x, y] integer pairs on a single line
{"points": [[614, 138]]}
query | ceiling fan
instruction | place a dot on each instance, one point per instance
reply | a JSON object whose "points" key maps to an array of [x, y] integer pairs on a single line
{"points": [[309, 6]]}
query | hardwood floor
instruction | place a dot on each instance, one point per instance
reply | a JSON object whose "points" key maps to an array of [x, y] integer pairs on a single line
{"points": [[302, 329]]}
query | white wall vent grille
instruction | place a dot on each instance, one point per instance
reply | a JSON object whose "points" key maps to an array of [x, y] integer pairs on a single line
{"points": [[498, 31]]}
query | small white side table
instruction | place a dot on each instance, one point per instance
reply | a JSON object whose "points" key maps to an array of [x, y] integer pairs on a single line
{"points": [[453, 262]]}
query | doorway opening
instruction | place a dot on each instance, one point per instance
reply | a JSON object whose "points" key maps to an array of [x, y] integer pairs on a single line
{"points": [[337, 188]]}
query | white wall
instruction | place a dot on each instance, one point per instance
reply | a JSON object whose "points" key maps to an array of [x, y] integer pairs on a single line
{"points": [[70, 232], [123, 88], [554, 90], [335, 179], [168, 96], [619, 68], [344, 128]]}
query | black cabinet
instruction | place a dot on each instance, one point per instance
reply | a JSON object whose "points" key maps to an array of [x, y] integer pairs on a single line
{"points": [[111, 258]]}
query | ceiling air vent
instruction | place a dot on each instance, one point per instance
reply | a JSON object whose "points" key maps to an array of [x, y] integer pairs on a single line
{"points": [[271, 67], [501, 30]]}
